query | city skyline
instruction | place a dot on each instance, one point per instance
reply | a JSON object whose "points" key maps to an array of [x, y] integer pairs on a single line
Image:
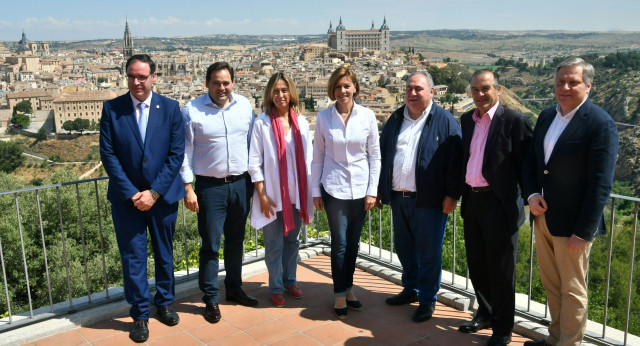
{"points": [[83, 20]]}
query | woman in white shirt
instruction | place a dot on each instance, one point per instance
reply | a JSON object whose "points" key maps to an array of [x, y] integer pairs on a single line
{"points": [[279, 165], [344, 175]]}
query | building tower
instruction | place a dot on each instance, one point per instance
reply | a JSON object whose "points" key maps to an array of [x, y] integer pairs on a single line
{"points": [[385, 46], [331, 36], [127, 49], [341, 37]]}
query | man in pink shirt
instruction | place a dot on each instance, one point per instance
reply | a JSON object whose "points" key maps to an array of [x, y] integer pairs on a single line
{"points": [[494, 139]]}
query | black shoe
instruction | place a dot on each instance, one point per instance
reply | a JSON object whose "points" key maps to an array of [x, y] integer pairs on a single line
{"points": [[402, 298], [242, 298], [140, 331], [212, 313], [497, 340], [476, 324], [341, 313], [168, 316], [539, 342], [354, 305], [424, 312]]}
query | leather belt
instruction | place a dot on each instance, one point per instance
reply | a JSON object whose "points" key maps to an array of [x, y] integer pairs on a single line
{"points": [[225, 180], [406, 194], [480, 188]]}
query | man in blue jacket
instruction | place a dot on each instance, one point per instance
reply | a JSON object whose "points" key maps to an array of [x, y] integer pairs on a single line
{"points": [[421, 179], [142, 148]]}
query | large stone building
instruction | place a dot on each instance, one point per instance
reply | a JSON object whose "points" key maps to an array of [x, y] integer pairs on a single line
{"points": [[40, 99], [25, 62], [80, 104], [342, 39], [127, 48]]}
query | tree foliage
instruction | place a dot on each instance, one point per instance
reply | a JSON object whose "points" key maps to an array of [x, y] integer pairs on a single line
{"points": [[21, 121], [78, 124], [23, 107], [455, 76], [10, 156]]}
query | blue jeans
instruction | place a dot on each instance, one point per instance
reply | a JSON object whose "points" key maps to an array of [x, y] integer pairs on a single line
{"points": [[223, 209], [281, 253], [345, 217], [419, 234]]}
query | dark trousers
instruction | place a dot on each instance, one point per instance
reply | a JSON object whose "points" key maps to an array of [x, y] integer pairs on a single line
{"points": [[345, 217], [418, 235], [491, 257], [131, 225], [223, 210]]}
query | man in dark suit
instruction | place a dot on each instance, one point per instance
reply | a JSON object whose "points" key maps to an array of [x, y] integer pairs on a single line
{"points": [[494, 140], [142, 148], [568, 173]]}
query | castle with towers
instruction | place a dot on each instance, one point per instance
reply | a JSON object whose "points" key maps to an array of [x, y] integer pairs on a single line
{"points": [[345, 40]]}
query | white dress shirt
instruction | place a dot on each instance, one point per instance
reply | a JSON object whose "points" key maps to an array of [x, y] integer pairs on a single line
{"points": [[216, 139], [404, 160], [146, 109], [556, 128], [263, 166], [346, 158]]}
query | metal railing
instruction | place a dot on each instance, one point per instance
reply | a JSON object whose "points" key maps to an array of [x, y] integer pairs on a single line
{"points": [[76, 224]]}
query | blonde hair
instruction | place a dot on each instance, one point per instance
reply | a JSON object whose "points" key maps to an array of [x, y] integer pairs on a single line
{"points": [[267, 100], [336, 76]]}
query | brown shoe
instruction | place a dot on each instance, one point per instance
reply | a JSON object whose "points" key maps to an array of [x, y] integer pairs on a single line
{"points": [[212, 313]]}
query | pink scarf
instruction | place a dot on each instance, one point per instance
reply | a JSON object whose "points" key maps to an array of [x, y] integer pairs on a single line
{"points": [[301, 170]]}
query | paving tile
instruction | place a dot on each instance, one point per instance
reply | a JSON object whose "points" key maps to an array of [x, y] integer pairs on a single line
{"points": [[248, 319], [237, 339], [71, 337], [330, 333], [117, 339], [211, 332], [271, 332], [296, 340], [393, 335], [104, 329], [182, 339], [305, 321]]}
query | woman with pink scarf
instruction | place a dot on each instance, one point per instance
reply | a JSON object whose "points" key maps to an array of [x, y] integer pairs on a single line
{"points": [[280, 165]]}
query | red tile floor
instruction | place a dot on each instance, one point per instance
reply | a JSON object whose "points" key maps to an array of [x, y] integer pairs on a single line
{"points": [[306, 321]]}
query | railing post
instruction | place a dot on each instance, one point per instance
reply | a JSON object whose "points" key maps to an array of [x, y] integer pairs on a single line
{"points": [[6, 287], [629, 289], [64, 247], [104, 262], [84, 245], [609, 256], [24, 256], [44, 251]]}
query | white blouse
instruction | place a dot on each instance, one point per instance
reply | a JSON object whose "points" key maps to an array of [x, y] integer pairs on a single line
{"points": [[346, 158], [263, 166]]}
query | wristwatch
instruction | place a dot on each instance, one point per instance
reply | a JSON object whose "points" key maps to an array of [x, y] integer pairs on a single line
{"points": [[154, 193]]}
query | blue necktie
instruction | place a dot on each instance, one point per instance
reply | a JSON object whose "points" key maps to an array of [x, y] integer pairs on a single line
{"points": [[142, 120]]}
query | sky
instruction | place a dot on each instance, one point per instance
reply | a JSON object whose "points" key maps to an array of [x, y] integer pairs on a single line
{"points": [[87, 19]]}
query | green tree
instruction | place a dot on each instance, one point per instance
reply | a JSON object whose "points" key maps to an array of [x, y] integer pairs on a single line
{"points": [[10, 156], [101, 79], [23, 107], [69, 125], [81, 124], [450, 99], [20, 120], [42, 134]]}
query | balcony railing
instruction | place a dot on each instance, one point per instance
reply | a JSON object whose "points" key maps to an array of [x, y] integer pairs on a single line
{"points": [[58, 254]]}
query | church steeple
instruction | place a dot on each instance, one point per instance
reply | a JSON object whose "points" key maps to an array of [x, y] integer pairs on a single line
{"points": [[127, 49], [340, 25], [330, 28]]}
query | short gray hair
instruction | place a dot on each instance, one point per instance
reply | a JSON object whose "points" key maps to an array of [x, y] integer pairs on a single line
{"points": [[496, 82], [424, 73], [587, 69]]}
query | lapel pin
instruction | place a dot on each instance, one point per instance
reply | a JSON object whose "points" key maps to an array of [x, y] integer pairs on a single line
{"points": [[158, 106]]}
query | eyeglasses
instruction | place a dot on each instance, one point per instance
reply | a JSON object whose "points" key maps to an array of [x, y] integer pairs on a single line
{"points": [[141, 79]]}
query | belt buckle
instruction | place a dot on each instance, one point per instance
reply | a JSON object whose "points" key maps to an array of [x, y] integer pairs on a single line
{"points": [[228, 179], [406, 194]]}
